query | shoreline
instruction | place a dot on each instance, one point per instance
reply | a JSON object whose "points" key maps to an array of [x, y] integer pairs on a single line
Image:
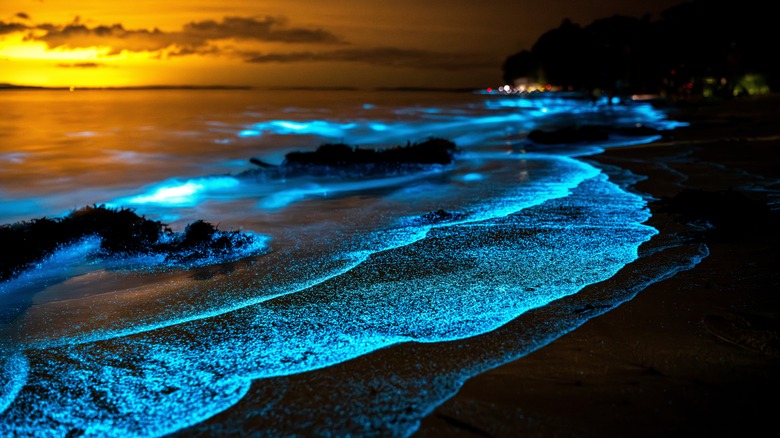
{"points": [[695, 354]]}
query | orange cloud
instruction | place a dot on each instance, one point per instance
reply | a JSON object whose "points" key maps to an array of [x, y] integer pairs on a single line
{"points": [[194, 37]]}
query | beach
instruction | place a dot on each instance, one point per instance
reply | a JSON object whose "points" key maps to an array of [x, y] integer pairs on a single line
{"points": [[697, 354], [528, 290]]}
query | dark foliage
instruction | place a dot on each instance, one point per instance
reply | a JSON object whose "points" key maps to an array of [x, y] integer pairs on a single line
{"points": [[674, 54], [122, 232]]}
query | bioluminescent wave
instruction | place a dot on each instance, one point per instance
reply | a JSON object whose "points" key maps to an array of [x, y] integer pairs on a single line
{"points": [[352, 267]]}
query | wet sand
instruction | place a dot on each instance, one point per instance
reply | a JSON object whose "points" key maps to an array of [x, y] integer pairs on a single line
{"points": [[694, 355]]}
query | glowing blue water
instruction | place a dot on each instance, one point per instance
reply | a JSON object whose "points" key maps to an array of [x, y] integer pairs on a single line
{"points": [[118, 349]]}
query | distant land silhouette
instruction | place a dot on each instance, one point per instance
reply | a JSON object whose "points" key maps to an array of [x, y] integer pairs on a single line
{"points": [[5, 86], [696, 48]]}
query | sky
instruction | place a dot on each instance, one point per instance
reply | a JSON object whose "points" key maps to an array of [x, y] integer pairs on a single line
{"points": [[290, 43]]}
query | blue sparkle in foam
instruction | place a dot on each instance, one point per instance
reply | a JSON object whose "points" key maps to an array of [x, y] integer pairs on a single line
{"points": [[176, 376], [14, 370], [528, 242], [476, 275]]}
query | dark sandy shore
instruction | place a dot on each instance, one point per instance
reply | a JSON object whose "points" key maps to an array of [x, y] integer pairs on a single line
{"points": [[694, 355]]}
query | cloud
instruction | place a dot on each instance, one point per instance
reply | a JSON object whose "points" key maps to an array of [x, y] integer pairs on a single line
{"points": [[382, 56], [114, 36], [203, 37], [22, 15], [269, 29], [6, 28], [194, 37]]}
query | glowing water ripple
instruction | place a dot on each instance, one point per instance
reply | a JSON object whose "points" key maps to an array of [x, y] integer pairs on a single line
{"points": [[350, 272], [474, 282]]}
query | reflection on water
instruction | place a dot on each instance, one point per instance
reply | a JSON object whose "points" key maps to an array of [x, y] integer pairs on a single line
{"points": [[352, 268]]}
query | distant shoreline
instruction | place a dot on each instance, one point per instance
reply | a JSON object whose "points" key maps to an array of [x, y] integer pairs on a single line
{"points": [[13, 87]]}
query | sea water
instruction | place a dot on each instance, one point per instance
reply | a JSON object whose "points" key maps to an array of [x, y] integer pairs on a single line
{"points": [[124, 347]]}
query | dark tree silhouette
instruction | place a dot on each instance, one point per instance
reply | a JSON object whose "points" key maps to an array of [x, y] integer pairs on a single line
{"points": [[694, 45]]}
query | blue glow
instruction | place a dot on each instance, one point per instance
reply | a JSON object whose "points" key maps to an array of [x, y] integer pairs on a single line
{"points": [[179, 194], [286, 127], [14, 370], [473, 177], [249, 133], [189, 375], [137, 347]]}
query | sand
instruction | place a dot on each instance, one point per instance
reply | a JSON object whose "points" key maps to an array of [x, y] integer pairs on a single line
{"points": [[694, 355]]}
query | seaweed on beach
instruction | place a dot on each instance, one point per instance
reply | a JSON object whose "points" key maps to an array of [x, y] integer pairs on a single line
{"points": [[122, 233], [343, 159]]}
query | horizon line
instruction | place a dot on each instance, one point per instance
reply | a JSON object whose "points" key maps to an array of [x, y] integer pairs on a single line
{"points": [[11, 87]]}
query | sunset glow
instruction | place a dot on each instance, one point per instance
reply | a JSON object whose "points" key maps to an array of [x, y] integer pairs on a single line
{"points": [[95, 44]]}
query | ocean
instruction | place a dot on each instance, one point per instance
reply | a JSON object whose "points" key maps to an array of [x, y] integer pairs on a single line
{"points": [[343, 267]]}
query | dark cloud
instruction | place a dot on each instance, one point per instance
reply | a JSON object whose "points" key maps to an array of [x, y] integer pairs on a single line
{"points": [[269, 29], [114, 36], [23, 16], [6, 28], [82, 65], [194, 37], [382, 56]]}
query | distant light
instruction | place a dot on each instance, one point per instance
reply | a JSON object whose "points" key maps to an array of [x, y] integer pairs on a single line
{"points": [[72, 88], [489, 90]]}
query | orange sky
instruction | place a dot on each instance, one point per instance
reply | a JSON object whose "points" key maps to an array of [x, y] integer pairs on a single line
{"points": [[356, 43]]}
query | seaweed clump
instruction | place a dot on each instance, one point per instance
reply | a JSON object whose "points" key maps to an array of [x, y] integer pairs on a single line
{"points": [[122, 233], [340, 158]]}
